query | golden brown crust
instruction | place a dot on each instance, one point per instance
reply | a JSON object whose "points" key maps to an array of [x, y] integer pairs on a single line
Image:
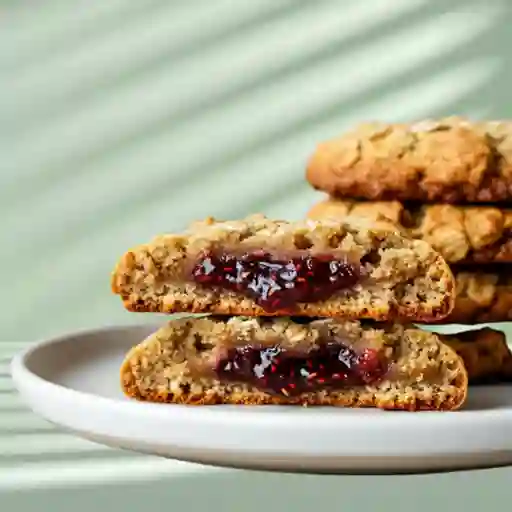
{"points": [[485, 353], [404, 403], [157, 371], [450, 160], [462, 234], [408, 280]]}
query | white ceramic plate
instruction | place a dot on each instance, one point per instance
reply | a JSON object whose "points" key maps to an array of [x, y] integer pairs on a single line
{"points": [[73, 381]]}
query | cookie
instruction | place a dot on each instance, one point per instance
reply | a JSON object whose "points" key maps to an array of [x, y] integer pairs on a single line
{"points": [[462, 234], [451, 160], [252, 361], [485, 353], [482, 297], [355, 268]]}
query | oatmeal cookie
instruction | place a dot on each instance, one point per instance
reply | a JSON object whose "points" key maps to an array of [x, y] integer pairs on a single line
{"points": [[252, 361], [450, 160], [482, 297], [485, 353], [462, 234], [354, 268]]}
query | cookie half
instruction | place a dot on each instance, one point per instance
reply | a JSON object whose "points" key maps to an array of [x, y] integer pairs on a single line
{"points": [[250, 361], [450, 160], [353, 268]]}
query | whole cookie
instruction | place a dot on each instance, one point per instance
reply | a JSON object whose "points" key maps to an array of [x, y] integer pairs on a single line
{"points": [[451, 160]]}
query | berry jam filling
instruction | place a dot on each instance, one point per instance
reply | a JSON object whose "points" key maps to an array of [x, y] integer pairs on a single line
{"points": [[276, 283], [280, 371]]}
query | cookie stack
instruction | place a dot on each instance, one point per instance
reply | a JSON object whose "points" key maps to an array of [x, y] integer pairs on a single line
{"points": [[447, 182], [314, 312]]}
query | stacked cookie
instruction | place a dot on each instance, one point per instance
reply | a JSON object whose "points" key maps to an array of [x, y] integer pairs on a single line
{"points": [[314, 312], [447, 182]]}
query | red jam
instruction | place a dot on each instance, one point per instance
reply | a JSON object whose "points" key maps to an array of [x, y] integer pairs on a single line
{"points": [[278, 371], [273, 282]]}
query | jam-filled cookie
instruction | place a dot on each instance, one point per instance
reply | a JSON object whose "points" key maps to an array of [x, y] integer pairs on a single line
{"points": [[252, 361], [350, 268]]}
